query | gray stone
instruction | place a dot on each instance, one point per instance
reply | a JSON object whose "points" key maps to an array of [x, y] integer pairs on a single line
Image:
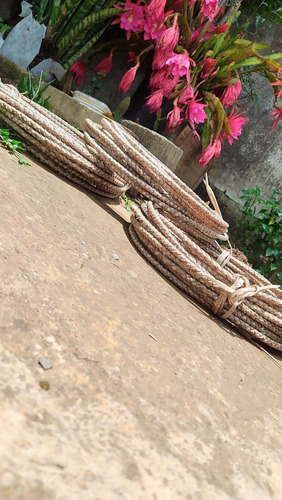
{"points": [[45, 363]]}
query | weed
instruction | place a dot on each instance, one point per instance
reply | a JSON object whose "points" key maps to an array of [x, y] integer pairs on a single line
{"points": [[8, 141], [32, 88], [96, 82], [248, 88], [127, 201], [4, 27], [264, 11], [260, 235]]}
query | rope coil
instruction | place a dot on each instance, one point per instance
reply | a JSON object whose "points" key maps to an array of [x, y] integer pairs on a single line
{"points": [[174, 229]]}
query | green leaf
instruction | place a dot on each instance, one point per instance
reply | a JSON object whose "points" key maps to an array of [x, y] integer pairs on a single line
{"points": [[59, 11], [78, 32], [77, 13], [206, 134], [217, 111], [269, 252], [250, 61], [259, 21], [265, 228], [122, 108], [68, 61], [277, 55], [22, 161]]}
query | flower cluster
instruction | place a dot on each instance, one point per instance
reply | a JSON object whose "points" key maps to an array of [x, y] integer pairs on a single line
{"points": [[196, 62]]}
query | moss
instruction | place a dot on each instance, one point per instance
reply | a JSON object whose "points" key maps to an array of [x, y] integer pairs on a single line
{"points": [[44, 385]]}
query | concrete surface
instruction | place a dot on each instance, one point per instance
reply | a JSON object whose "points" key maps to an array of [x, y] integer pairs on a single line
{"points": [[149, 396]]}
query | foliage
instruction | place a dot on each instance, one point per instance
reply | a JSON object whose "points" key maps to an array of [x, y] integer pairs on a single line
{"points": [[260, 235], [263, 11], [248, 85], [4, 27], [8, 141], [96, 82], [196, 61], [74, 25], [32, 88], [126, 201], [121, 109]]}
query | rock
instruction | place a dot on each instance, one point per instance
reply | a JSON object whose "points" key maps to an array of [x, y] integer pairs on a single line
{"points": [[45, 363]]}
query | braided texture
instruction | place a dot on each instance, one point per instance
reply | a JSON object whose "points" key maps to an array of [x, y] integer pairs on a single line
{"points": [[57, 143], [173, 229], [248, 300]]}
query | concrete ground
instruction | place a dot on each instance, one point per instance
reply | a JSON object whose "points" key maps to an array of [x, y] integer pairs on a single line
{"points": [[149, 396]]}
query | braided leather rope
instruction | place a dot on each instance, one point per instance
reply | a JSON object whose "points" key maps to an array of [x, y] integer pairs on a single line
{"points": [[174, 229]]}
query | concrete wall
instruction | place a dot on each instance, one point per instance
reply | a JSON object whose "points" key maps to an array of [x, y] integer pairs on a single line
{"points": [[256, 158]]}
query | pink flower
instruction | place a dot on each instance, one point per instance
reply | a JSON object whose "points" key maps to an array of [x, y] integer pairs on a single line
{"points": [[186, 94], [154, 101], [161, 79], [235, 121], [78, 71], [209, 8], [165, 45], [179, 65], [273, 113], [196, 33], [195, 112], [128, 78], [222, 28], [211, 151], [132, 19], [157, 78], [155, 8], [208, 66], [160, 58], [131, 57], [105, 65], [173, 118], [279, 91], [153, 27], [231, 94]]}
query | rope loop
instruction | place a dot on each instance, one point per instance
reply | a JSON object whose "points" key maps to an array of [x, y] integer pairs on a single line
{"points": [[240, 290]]}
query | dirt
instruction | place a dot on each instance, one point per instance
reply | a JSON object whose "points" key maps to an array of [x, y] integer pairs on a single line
{"points": [[149, 396]]}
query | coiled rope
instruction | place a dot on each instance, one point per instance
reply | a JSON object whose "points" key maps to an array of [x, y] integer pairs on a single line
{"points": [[173, 228]]}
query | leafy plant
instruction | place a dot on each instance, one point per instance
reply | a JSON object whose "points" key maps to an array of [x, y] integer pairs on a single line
{"points": [[127, 201], [8, 141], [33, 88], [248, 84], [4, 27], [96, 82], [260, 235], [196, 55], [263, 11], [74, 25]]}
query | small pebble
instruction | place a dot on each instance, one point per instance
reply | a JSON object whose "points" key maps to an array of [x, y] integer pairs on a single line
{"points": [[44, 385], [115, 256], [45, 363]]}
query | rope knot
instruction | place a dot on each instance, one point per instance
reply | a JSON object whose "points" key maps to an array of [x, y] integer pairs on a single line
{"points": [[240, 290]]}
